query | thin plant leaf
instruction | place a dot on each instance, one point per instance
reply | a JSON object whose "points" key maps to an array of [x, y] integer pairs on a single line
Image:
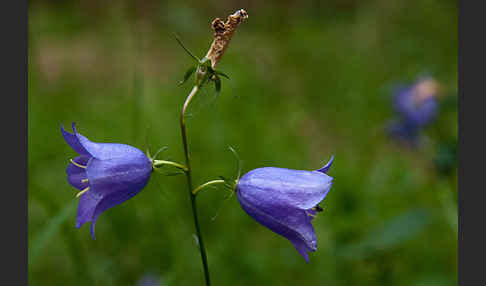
{"points": [[217, 85], [221, 74], [51, 229], [188, 74], [213, 218], [185, 49], [397, 230]]}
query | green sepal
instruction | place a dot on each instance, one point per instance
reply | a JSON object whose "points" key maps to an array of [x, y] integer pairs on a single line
{"points": [[228, 183], [239, 164]]}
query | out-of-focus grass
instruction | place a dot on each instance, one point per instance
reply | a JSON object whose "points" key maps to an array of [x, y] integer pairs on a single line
{"points": [[307, 80]]}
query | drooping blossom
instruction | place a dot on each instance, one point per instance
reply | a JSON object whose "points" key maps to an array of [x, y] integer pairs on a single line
{"points": [[286, 201], [416, 107], [107, 174]]}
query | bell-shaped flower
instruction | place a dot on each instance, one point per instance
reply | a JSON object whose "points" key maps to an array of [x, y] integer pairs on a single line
{"points": [[106, 173], [286, 201], [416, 106]]}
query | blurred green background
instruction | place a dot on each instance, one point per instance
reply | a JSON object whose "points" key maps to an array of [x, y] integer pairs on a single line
{"points": [[308, 79]]}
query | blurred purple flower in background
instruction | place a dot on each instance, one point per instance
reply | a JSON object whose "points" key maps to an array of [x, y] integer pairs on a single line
{"points": [[149, 280], [286, 201], [416, 106], [106, 173]]}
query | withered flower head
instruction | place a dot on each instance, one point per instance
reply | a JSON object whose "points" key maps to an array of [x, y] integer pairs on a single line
{"points": [[223, 32]]}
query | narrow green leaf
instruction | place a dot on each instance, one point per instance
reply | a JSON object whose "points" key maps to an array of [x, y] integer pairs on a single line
{"points": [[185, 49], [188, 74], [395, 231], [50, 230], [221, 74], [217, 84]]}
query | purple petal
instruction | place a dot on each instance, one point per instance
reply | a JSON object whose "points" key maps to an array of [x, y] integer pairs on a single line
{"points": [[302, 249], [110, 201], [327, 166], [286, 187], [292, 223], [73, 141], [119, 175], [105, 151], [416, 114], [116, 180], [77, 174], [404, 131], [401, 95], [86, 207], [84, 146], [426, 112]]}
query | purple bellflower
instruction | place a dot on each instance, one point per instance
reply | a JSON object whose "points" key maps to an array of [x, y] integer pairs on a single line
{"points": [[106, 173], [286, 201], [416, 107]]}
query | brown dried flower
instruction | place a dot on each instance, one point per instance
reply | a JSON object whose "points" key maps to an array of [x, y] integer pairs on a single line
{"points": [[223, 32]]}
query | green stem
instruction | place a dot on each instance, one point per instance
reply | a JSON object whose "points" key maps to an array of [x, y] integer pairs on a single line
{"points": [[207, 184], [164, 162], [189, 184]]}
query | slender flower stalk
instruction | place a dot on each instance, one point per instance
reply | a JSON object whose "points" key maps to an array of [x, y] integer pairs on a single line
{"points": [[223, 33], [164, 162], [207, 184], [189, 184]]}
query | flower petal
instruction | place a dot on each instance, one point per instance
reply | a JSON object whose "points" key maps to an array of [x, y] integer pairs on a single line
{"points": [[416, 114], [119, 175], [73, 141], [327, 166], [425, 113], [77, 174], [86, 207], [110, 201], [286, 187], [106, 151], [292, 223], [116, 180], [403, 130], [302, 249]]}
